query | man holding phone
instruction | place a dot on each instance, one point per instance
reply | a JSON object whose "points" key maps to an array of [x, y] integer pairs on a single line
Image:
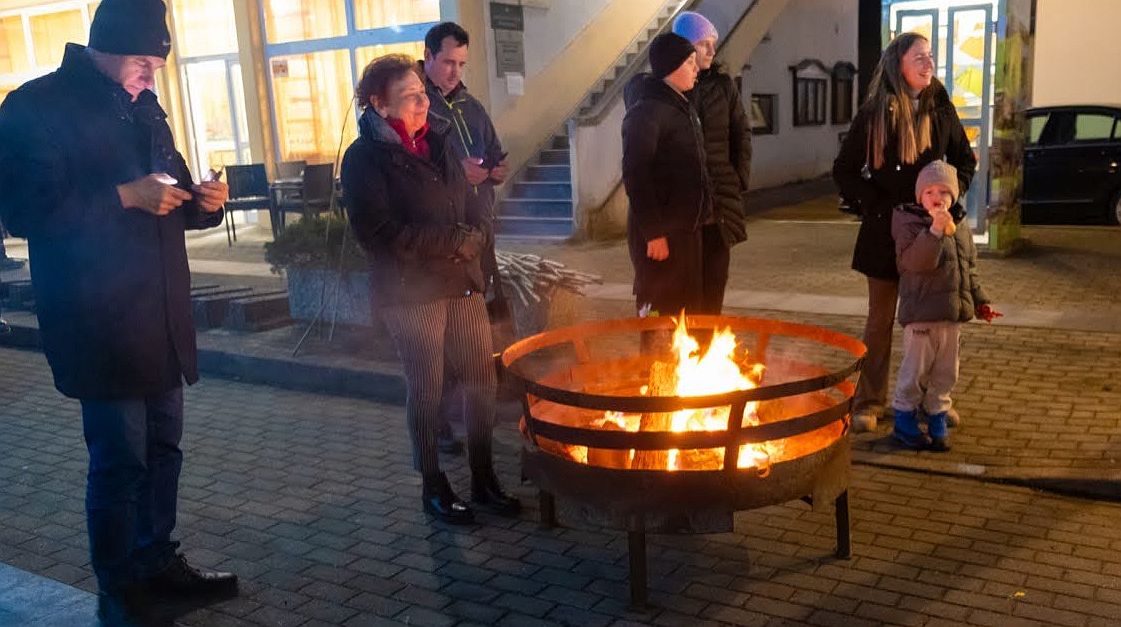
{"points": [[484, 162], [89, 174]]}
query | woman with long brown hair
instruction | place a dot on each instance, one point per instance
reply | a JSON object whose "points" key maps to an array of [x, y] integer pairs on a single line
{"points": [[906, 122]]}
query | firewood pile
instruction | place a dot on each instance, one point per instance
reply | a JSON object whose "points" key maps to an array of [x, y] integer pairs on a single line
{"points": [[531, 277]]}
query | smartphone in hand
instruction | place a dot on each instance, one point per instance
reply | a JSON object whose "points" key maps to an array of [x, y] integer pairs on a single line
{"points": [[212, 175]]}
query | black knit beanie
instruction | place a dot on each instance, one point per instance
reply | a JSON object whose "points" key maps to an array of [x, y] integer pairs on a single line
{"points": [[667, 52], [135, 27]]}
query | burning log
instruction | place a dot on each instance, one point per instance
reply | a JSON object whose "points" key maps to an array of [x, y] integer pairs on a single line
{"points": [[663, 382]]}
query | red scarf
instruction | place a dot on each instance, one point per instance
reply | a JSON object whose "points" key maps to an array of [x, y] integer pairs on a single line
{"points": [[417, 144]]}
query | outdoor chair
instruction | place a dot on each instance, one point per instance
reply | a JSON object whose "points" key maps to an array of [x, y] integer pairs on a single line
{"points": [[249, 191], [290, 169], [314, 196]]}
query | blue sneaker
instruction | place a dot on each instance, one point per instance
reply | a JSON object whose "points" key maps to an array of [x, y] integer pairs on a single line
{"points": [[939, 435], [907, 431]]}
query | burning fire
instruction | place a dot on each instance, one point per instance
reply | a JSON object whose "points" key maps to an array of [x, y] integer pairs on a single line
{"points": [[691, 373]]}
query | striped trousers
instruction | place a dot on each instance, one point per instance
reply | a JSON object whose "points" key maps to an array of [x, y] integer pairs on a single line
{"points": [[443, 343]]}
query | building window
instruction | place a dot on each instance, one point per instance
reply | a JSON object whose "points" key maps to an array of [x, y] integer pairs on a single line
{"points": [[763, 114], [315, 55], [810, 80], [844, 74], [33, 39], [206, 43]]}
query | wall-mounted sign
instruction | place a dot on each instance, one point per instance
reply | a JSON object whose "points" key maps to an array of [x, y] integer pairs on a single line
{"points": [[509, 52], [506, 16]]}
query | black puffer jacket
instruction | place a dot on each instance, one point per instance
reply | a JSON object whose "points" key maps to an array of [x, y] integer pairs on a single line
{"points": [[727, 135], [666, 180], [112, 285], [664, 169], [894, 183], [408, 214]]}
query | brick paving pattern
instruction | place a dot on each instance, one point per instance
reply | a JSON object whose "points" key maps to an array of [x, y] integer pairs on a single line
{"points": [[312, 500]]}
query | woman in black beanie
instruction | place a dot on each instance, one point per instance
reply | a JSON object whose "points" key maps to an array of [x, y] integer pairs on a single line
{"points": [[666, 180]]}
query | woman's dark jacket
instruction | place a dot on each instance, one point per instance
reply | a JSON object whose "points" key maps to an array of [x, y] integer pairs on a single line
{"points": [[894, 183], [727, 134], [410, 214], [666, 181], [112, 285]]}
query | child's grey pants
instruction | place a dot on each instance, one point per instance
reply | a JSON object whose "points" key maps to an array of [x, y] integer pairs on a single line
{"points": [[929, 369]]}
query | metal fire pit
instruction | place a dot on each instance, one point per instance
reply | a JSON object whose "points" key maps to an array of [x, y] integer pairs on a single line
{"points": [[567, 377]]}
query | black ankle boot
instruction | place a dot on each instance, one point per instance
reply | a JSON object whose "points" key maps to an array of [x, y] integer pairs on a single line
{"points": [[487, 493], [441, 502]]}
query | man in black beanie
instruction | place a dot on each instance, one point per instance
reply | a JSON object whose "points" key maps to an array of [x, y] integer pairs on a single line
{"points": [[89, 174], [666, 181]]}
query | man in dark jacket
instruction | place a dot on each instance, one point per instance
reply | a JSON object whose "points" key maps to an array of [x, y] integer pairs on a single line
{"points": [[666, 180], [478, 148], [90, 176], [727, 136]]}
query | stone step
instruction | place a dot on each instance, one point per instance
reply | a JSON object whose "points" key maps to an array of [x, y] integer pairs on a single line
{"points": [[536, 208], [209, 306], [553, 157], [550, 229], [258, 312], [560, 142], [528, 190], [562, 173]]}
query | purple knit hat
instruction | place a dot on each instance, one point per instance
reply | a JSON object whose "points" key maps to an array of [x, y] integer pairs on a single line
{"points": [[694, 26]]}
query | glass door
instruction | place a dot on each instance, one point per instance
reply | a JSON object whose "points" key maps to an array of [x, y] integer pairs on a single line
{"points": [[962, 39], [216, 112]]}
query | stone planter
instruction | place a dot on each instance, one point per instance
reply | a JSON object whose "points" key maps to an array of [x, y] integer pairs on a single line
{"points": [[347, 302]]}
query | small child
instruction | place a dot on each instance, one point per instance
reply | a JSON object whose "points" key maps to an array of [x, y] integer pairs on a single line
{"points": [[938, 290]]}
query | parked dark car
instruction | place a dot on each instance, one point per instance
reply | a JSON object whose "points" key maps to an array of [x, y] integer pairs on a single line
{"points": [[1072, 165]]}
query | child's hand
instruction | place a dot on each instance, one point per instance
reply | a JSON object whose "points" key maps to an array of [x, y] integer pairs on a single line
{"points": [[988, 314], [942, 220]]}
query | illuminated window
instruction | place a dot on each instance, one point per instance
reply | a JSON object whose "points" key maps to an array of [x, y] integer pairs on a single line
{"points": [[414, 49], [314, 60], [50, 33], [14, 56], [204, 27], [313, 94], [301, 20], [369, 14]]}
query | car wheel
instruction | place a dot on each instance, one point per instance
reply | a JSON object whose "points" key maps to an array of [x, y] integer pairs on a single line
{"points": [[1115, 209]]}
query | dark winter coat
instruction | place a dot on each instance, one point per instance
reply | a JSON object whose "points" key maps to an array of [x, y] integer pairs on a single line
{"points": [[667, 184], [112, 286], [894, 183], [938, 278], [727, 134], [408, 213]]}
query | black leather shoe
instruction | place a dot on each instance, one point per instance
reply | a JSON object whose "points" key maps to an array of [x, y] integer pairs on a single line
{"points": [[182, 579], [488, 494], [446, 441], [442, 503]]}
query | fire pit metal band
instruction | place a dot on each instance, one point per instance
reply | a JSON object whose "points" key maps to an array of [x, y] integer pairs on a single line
{"points": [[647, 498]]}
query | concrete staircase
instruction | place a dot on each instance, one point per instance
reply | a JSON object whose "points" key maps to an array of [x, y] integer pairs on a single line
{"points": [[538, 203]]}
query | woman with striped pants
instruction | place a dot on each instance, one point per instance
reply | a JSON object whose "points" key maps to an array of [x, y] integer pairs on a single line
{"points": [[410, 210]]}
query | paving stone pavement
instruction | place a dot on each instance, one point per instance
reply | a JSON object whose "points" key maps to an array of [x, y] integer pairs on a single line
{"points": [[312, 500]]}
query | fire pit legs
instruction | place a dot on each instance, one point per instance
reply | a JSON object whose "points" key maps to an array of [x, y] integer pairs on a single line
{"points": [[547, 504], [636, 549], [844, 538]]}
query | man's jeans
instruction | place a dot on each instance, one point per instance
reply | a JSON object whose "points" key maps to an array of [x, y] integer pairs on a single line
{"points": [[133, 484]]}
